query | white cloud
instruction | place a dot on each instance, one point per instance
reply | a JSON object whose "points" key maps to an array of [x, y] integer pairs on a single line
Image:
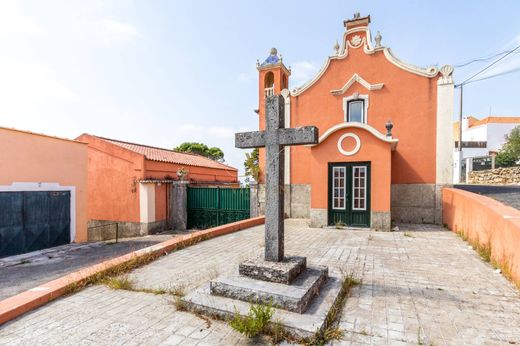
{"points": [[203, 132], [27, 86], [120, 30], [14, 22], [303, 71]]}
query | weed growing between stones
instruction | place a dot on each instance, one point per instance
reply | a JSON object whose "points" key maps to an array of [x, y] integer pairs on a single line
{"points": [[119, 283], [255, 322], [258, 321], [485, 251], [130, 265], [408, 234]]}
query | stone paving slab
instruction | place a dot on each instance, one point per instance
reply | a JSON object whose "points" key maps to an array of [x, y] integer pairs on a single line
{"points": [[421, 284]]}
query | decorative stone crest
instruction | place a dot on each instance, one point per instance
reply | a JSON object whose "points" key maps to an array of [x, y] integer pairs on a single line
{"points": [[446, 75], [356, 40]]}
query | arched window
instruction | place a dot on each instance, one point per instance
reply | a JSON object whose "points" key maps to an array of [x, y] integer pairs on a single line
{"points": [[269, 84], [269, 80]]}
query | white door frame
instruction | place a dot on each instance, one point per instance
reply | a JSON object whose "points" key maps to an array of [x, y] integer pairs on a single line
{"points": [[31, 187]]}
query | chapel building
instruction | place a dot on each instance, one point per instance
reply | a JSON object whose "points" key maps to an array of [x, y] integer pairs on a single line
{"points": [[385, 135]]}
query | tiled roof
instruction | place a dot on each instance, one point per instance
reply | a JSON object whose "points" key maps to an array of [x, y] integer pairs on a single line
{"points": [[166, 155], [472, 122], [497, 120]]}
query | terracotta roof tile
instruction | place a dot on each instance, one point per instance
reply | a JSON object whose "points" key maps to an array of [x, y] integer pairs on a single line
{"points": [[166, 155], [497, 120]]}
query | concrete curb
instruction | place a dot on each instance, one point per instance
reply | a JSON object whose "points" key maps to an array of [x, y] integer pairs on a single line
{"points": [[19, 304]]}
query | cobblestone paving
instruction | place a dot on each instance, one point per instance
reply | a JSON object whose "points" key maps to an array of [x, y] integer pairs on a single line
{"points": [[421, 285]]}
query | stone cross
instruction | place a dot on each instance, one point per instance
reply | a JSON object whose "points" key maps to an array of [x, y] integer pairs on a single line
{"points": [[274, 138]]}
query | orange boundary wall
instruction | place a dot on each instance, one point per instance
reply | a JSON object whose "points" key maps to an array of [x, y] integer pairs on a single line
{"points": [[487, 222], [19, 304]]}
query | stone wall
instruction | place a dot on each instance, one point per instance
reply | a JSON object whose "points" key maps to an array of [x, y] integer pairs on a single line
{"points": [[100, 230], [297, 200], [501, 175], [416, 203]]}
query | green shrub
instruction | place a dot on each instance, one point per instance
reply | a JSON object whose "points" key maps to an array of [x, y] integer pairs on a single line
{"points": [[256, 320]]}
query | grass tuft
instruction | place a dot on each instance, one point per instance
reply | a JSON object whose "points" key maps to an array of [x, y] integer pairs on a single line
{"points": [[255, 322], [119, 283]]}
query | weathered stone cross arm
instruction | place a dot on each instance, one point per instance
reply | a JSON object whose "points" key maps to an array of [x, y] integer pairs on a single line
{"points": [[290, 136]]}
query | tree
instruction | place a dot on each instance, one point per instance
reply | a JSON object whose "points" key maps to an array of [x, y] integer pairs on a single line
{"points": [[509, 155], [251, 164], [213, 153]]}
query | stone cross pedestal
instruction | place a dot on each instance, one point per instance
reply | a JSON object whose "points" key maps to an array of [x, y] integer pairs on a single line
{"points": [[303, 295], [274, 139]]}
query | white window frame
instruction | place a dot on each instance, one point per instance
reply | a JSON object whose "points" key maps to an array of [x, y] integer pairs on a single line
{"points": [[355, 97], [344, 169], [364, 198]]}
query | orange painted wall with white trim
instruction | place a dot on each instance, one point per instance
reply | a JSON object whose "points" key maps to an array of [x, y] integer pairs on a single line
{"points": [[32, 158], [372, 149]]}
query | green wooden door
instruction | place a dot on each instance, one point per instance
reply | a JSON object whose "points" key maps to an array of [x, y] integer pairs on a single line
{"points": [[349, 194], [215, 206]]}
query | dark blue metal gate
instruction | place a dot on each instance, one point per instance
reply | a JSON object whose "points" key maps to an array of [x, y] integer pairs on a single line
{"points": [[31, 221]]}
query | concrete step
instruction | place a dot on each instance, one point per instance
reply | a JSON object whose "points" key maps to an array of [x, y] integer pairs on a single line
{"points": [[294, 297]]}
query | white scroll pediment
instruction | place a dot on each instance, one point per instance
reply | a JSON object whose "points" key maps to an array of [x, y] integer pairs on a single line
{"points": [[356, 78]]}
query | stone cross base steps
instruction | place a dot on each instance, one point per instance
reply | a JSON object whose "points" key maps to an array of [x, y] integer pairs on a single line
{"points": [[302, 296], [295, 297], [283, 272]]}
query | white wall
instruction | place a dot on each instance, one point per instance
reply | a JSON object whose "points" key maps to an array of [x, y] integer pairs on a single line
{"points": [[478, 133], [497, 133]]}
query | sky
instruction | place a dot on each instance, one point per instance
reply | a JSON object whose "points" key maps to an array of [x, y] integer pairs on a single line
{"points": [[161, 72]]}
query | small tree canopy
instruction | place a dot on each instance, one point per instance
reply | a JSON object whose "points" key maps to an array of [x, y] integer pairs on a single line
{"points": [[213, 153], [251, 165], [509, 155]]}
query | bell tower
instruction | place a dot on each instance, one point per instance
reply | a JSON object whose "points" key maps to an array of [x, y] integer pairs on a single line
{"points": [[273, 77]]}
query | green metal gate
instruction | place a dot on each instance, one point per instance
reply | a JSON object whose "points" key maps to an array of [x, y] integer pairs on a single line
{"points": [[215, 206], [31, 221]]}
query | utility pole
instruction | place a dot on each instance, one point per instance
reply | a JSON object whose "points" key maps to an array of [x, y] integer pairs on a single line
{"points": [[460, 118]]}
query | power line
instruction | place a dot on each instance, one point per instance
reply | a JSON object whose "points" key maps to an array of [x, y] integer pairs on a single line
{"points": [[489, 66], [469, 62]]}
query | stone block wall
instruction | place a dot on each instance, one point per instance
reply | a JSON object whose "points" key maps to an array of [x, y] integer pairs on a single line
{"points": [[502, 175], [297, 200], [101, 230], [416, 203]]}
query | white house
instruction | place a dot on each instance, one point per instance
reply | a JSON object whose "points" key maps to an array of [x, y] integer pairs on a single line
{"points": [[482, 136]]}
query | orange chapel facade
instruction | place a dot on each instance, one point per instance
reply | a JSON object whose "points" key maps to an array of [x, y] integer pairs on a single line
{"points": [[385, 144]]}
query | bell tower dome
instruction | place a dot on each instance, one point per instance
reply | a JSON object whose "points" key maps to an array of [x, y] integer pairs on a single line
{"points": [[273, 76]]}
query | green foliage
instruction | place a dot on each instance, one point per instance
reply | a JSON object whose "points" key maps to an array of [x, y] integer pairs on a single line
{"points": [[213, 153], [505, 159], [251, 164], [509, 155], [256, 320]]}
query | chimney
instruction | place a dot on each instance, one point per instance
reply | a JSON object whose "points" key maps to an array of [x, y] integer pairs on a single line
{"points": [[356, 21], [465, 123]]}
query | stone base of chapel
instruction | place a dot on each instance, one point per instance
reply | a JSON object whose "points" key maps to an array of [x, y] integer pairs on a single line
{"points": [[101, 230], [410, 203], [417, 203]]}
